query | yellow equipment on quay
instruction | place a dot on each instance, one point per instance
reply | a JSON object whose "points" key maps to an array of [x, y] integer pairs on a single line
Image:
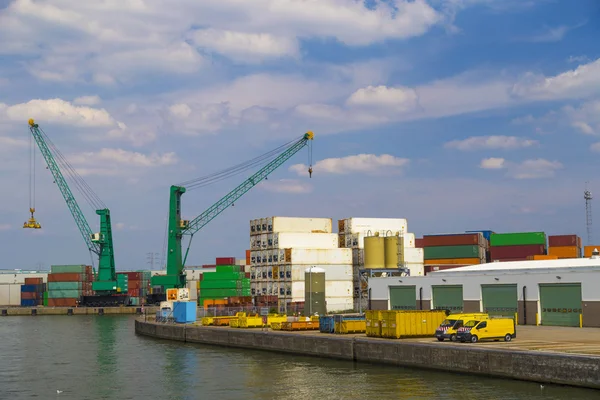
{"points": [[397, 324]]}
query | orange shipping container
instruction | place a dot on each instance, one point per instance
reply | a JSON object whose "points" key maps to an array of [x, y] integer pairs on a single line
{"points": [[542, 257], [454, 261], [587, 250], [247, 257], [564, 251]]}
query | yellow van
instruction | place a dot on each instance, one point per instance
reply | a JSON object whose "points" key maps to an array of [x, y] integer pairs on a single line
{"points": [[448, 328], [493, 328]]}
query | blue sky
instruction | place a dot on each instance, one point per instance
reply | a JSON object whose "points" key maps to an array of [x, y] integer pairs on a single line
{"points": [[454, 114]]}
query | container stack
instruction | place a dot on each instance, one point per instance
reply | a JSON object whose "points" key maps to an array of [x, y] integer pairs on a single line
{"points": [[282, 248], [564, 246], [588, 250], [137, 283], [517, 246], [454, 250], [32, 292], [67, 283], [227, 285]]}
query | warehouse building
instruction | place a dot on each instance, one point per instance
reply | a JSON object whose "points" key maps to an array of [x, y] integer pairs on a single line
{"points": [[546, 292]]}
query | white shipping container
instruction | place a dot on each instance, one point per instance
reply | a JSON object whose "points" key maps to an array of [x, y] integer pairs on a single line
{"points": [[332, 272], [416, 269], [19, 277], [298, 256], [358, 257], [4, 295], [332, 289], [335, 304], [363, 225], [408, 240], [301, 225], [264, 241], [412, 255], [15, 295], [305, 240], [193, 288]]}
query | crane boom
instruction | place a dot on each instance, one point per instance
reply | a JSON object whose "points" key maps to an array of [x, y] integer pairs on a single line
{"points": [[100, 243], [175, 278]]}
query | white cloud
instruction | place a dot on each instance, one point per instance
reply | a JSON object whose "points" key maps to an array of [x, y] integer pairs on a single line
{"points": [[87, 100], [595, 147], [59, 111], [286, 186], [585, 118], [120, 157], [491, 142], [555, 34], [398, 98], [580, 82], [528, 169], [242, 46], [492, 163], [7, 143], [363, 163]]}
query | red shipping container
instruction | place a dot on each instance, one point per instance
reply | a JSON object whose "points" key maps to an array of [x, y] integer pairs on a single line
{"points": [[225, 261], [67, 277], [133, 285], [132, 276], [419, 243], [34, 281], [133, 292], [504, 252], [564, 241], [209, 266], [62, 302], [30, 295], [462, 239], [248, 275]]}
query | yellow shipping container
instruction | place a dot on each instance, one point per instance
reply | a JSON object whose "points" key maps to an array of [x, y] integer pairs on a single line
{"points": [[373, 323], [587, 250], [564, 251], [404, 324], [234, 323], [276, 318], [542, 257], [251, 321], [207, 321], [276, 326], [351, 326], [453, 261]]}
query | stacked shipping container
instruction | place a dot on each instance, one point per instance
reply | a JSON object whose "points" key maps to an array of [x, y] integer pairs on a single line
{"points": [[228, 281], [67, 283], [138, 284], [282, 248], [564, 246], [454, 250], [517, 246], [32, 292]]}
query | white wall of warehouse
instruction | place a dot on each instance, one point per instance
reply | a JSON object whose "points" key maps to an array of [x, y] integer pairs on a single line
{"points": [[471, 283]]}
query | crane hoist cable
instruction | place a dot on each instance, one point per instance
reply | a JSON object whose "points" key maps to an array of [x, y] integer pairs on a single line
{"points": [[32, 223]]}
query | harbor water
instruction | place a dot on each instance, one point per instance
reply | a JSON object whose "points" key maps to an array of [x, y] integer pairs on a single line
{"points": [[100, 357]]}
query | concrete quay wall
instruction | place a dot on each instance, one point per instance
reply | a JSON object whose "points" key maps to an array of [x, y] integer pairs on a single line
{"points": [[565, 369], [33, 311]]}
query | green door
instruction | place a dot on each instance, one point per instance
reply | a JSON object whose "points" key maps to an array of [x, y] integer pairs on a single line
{"points": [[500, 300], [560, 304], [403, 298], [448, 297]]}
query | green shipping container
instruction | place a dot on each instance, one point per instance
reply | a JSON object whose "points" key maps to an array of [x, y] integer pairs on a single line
{"points": [[135, 301], [65, 285], [222, 276], [45, 300], [64, 294], [246, 292], [438, 252], [220, 293], [517, 239], [220, 284], [67, 269], [228, 268]]}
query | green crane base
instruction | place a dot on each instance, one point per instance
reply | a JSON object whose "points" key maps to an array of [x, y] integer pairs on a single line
{"points": [[104, 286], [168, 281]]}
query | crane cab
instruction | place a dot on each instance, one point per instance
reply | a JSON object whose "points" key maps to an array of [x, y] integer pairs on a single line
{"points": [[97, 237], [184, 223]]}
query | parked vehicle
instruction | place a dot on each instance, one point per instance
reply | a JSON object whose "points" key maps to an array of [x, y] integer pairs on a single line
{"points": [[491, 328], [450, 326]]}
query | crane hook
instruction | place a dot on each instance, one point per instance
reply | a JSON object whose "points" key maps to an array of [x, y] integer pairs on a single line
{"points": [[310, 172]]}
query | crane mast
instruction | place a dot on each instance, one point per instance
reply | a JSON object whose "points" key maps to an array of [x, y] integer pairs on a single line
{"points": [[100, 243], [177, 227]]}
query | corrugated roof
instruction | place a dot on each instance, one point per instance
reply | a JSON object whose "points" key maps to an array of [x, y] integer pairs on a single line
{"points": [[523, 265]]}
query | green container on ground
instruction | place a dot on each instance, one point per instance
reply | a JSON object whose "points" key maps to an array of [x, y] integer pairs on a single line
{"points": [[517, 239], [228, 268], [65, 285], [67, 269], [45, 299], [64, 294], [135, 301], [220, 293], [439, 252], [222, 276], [220, 284]]}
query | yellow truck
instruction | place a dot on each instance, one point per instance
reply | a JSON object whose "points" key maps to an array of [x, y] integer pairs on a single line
{"points": [[449, 327], [492, 328]]}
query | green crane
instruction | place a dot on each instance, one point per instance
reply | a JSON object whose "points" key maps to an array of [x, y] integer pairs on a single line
{"points": [[175, 276], [101, 243]]}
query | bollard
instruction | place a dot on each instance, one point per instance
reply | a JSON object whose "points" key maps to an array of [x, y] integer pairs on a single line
{"points": [[4, 313], [101, 311], [581, 320], [70, 311], [34, 311]]}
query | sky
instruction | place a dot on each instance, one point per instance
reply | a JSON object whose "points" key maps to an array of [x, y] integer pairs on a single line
{"points": [[454, 114]]}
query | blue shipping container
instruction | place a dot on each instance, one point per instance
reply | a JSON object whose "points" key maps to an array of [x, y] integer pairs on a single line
{"points": [[29, 303], [184, 312], [326, 324], [30, 288], [486, 234]]}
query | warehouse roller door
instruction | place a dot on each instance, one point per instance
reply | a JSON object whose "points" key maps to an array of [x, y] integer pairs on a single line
{"points": [[448, 298], [500, 300], [560, 304], [403, 298]]}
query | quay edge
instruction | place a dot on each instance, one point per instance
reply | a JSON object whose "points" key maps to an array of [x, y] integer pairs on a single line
{"points": [[563, 369], [35, 311]]}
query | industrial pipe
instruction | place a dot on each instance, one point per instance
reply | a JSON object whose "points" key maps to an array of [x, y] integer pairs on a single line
{"points": [[524, 305]]}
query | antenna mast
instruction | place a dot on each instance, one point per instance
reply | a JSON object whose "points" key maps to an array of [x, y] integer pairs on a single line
{"points": [[587, 195]]}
